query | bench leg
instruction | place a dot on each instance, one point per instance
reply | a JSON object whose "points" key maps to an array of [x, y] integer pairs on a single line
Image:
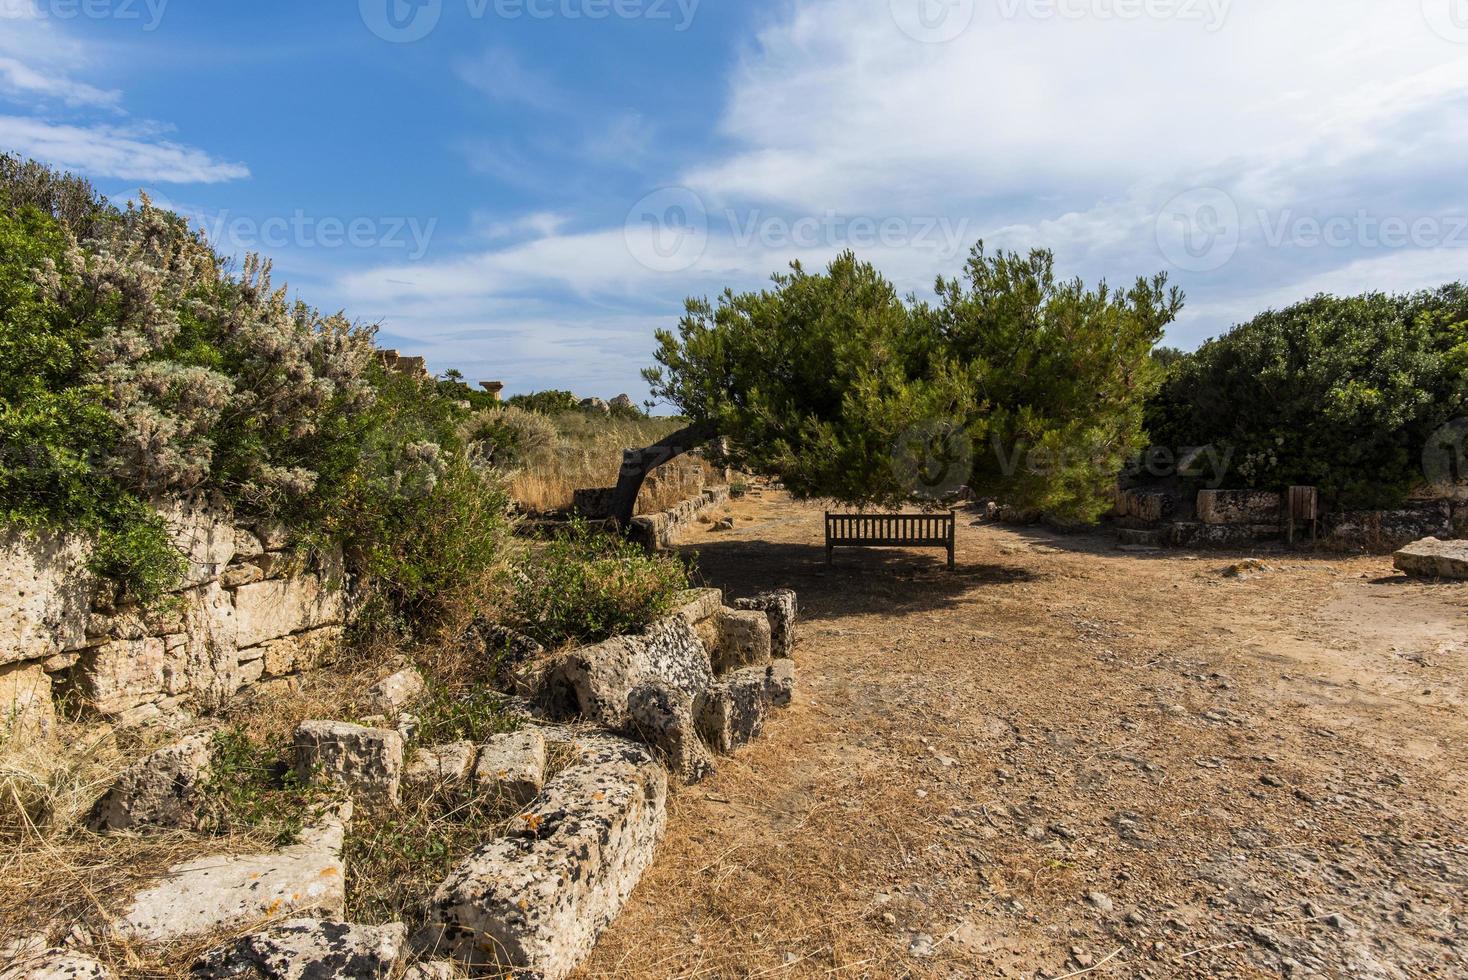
{"points": [[952, 558]]}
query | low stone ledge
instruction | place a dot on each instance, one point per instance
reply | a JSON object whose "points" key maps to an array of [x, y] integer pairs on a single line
{"points": [[538, 900], [511, 768], [309, 949], [782, 607], [1432, 558], [744, 640], [243, 891]]}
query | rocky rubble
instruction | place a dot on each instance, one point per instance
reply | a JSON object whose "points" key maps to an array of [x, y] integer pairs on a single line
{"points": [[1431, 558], [309, 949]]}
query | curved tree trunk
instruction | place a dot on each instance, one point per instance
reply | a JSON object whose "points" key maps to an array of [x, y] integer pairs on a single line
{"points": [[638, 463]]}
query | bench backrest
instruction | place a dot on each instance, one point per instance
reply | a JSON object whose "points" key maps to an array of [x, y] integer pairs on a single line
{"points": [[891, 529]]}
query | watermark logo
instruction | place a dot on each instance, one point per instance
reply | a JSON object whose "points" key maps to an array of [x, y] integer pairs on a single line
{"points": [[1363, 230], [668, 230], [1448, 19], [1445, 457], [147, 12], [1199, 230], [1211, 14], [933, 21], [233, 234], [933, 459], [401, 21]]}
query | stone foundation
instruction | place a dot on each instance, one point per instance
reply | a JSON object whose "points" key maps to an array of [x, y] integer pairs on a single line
{"points": [[249, 611], [655, 532]]}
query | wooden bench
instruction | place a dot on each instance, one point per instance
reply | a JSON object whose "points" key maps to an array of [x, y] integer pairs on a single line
{"points": [[891, 531]]}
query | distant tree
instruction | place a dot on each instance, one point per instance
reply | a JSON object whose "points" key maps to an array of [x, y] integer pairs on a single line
{"points": [[1023, 384], [1339, 393]]}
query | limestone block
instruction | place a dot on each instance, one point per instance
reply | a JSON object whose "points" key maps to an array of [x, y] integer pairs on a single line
{"points": [[367, 762], [697, 605], [247, 544], [1240, 507], [45, 593], [301, 652], [1431, 558], [732, 714], [123, 674], [206, 537], [26, 709], [206, 664], [745, 640], [780, 683], [441, 772], [226, 891], [309, 949], [237, 575], [52, 964], [783, 609], [392, 694], [663, 718], [160, 792], [277, 608], [1386, 530], [511, 768], [537, 900]]}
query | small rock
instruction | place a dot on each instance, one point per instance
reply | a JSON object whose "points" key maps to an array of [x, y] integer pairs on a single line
{"points": [[442, 771], [1101, 902], [307, 949], [921, 945], [1269, 780], [726, 524], [435, 970], [392, 694], [52, 964]]}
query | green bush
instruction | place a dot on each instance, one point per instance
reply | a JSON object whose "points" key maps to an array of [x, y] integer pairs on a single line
{"points": [[586, 586], [509, 437], [135, 367], [547, 402], [1341, 393]]}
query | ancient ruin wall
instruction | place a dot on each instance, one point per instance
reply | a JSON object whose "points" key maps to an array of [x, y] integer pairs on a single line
{"points": [[250, 612]]}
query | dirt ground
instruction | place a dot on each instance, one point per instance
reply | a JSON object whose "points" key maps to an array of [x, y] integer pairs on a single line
{"points": [[1064, 759]]}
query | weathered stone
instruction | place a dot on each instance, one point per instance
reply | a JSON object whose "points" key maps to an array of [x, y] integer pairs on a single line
{"points": [[309, 949], [511, 653], [302, 652], [206, 664], [161, 792], [45, 593], [780, 683], [1431, 558], [53, 964], [537, 900], [435, 970], [1387, 530], [26, 709], [624, 402], [392, 694], [244, 574], [1240, 507], [246, 544], [204, 535], [744, 640], [441, 772], [273, 537], [227, 891], [123, 674], [783, 609], [733, 712], [511, 768], [270, 610], [367, 762], [698, 605], [663, 718]]}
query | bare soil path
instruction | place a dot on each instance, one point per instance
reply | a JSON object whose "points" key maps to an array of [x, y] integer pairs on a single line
{"points": [[1063, 760]]}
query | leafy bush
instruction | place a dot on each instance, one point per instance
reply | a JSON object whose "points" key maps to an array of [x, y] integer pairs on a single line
{"points": [[252, 786], [134, 367], [547, 402], [833, 384], [510, 437], [1338, 393], [585, 586]]}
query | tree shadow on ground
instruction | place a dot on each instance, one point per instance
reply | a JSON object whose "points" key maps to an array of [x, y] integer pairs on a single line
{"points": [[892, 582], [1102, 542]]}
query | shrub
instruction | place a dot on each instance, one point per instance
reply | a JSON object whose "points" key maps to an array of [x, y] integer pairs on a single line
{"points": [[1338, 393], [547, 402], [510, 437], [585, 586]]}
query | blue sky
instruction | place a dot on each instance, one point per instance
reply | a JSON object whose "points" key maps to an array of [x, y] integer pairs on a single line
{"points": [[526, 189]]}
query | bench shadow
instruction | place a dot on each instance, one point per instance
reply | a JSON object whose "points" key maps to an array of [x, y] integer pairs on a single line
{"points": [[897, 582]]}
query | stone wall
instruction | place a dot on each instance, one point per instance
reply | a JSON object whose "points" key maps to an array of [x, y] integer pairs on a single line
{"points": [[250, 611], [682, 479], [655, 532]]}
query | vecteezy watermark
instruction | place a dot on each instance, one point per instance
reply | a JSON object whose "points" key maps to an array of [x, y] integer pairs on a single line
{"points": [[147, 12], [1363, 230], [232, 234], [1448, 19], [1199, 230], [406, 21], [933, 21], [1445, 456], [933, 459], [670, 229]]}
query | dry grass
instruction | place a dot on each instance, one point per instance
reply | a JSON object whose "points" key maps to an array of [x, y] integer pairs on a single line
{"points": [[588, 454]]}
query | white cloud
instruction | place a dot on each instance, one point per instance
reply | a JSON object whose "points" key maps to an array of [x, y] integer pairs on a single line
{"points": [[115, 152], [19, 80]]}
